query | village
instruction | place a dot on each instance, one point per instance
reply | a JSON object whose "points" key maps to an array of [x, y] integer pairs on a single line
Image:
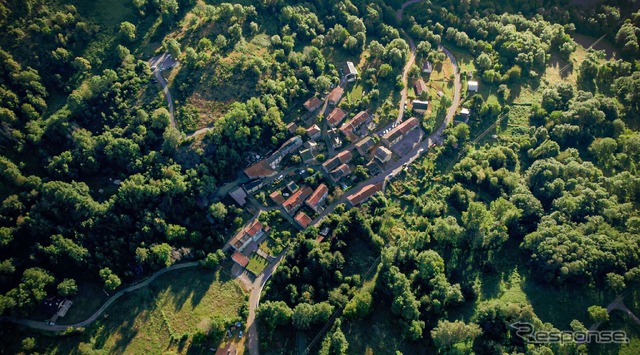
{"points": [[333, 157]]}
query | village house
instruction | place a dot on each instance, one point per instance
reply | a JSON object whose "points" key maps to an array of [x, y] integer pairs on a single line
{"points": [[239, 195], [312, 104], [420, 105], [296, 200], [317, 197], [303, 220], [335, 117], [364, 194], [400, 131], [364, 146], [419, 87], [343, 157], [248, 235], [340, 172], [335, 95], [427, 67], [314, 132], [277, 197], [351, 125], [383, 154], [472, 86], [351, 73]]}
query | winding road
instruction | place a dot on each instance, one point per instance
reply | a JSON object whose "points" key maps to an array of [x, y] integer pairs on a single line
{"points": [[393, 168], [410, 61], [42, 325]]}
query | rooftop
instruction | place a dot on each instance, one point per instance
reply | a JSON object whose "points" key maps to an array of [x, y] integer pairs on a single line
{"points": [[336, 94], [315, 197], [303, 220], [312, 103], [254, 228], [240, 259], [364, 194], [239, 195], [296, 199], [277, 197], [336, 116]]}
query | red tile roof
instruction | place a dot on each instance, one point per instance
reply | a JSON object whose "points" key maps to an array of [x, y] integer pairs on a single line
{"points": [[313, 130], [356, 121], [294, 201], [255, 227], [303, 220], [240, 259], [336, 95], [312, 103], [364, 194], [277, 197], [336, 116], [316, 196], [259, 169]]}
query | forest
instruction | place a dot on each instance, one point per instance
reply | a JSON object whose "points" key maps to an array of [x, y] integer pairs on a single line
{"points": [[102, 183]]}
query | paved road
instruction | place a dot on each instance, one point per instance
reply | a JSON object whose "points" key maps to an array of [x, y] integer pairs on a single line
{"points": [[396, 167], [410, 61], [254, 300], [58, 328], [161, 63]]}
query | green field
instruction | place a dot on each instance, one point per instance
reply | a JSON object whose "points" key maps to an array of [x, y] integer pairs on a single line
{"points": [[160, 318]]}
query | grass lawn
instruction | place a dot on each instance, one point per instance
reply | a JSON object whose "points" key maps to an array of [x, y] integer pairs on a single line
{"points": [[153, 319], [257, 264]]}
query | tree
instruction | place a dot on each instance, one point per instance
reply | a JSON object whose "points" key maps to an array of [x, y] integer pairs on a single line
{"points": [[615, 282], [598, 314], [447, 334], [484, 61], [128, 31], [303, 316], [111, 280], [335, 343], [359, 306], [172, 46], [67, 288], [275, 313], [161, 254], [28, 344], [212, 260], [218, 211], [32, 288]]}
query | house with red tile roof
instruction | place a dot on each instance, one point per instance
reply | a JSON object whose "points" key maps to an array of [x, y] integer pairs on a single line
{"points": [[312, 104], [277, 197], [240, 259], [348, 127], [400, 131], [317, 197], [364, 194], [336, 116], [302, 219], [297, 199], [335, 95], [343, 157]]}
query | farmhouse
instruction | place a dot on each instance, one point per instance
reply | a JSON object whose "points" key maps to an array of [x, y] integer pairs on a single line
{"points": [[419, 87], [420, 105]]}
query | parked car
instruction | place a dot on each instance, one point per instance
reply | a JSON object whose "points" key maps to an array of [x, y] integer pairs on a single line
{"points": [[240, 334]]}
